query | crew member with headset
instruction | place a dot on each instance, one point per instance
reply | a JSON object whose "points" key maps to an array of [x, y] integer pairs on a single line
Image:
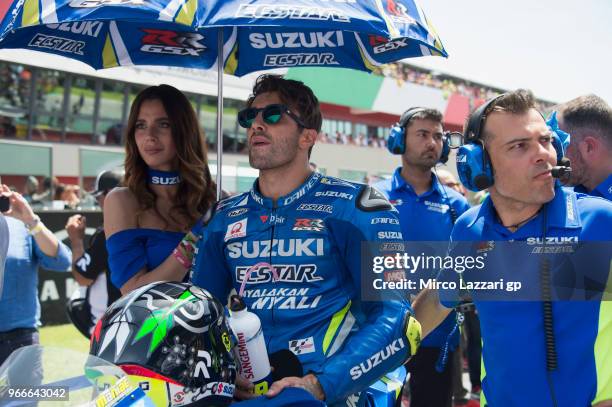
{"points": [[90, 267], [543, 350], [588, 119], [427, 212]]}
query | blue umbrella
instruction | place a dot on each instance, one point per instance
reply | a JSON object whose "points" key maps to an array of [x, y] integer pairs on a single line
{"points": [[235, 36]]}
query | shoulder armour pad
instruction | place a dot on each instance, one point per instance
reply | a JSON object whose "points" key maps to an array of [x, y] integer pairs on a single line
{"points": [[371, 200]]}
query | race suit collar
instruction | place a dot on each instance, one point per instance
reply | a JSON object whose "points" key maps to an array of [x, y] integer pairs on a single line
{"points": [[288, 199]]}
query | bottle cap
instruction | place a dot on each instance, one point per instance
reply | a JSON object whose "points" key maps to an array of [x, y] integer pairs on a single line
{"points": [[237, 303]]}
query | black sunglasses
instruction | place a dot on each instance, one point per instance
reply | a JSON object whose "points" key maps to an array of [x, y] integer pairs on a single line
{"points": [[271, 114]]}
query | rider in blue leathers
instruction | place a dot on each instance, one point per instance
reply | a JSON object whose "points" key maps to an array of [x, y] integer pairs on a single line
{"points": [[312, 237], [308, 228]]}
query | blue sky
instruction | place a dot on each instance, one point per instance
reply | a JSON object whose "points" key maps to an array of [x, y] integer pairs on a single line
{"points": [[558, 49]]}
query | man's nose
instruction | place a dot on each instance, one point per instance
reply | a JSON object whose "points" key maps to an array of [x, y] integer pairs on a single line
{"points": [[258, 122], [543, 152]]}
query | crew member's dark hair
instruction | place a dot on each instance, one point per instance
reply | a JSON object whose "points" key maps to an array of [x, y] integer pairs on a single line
{"points": [[517, 102], [427, 114], [588, 114]]}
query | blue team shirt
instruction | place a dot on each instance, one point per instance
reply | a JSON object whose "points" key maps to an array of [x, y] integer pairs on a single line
{"points": [[427, 217], [19, 305], [603, 190], [514, 352]]}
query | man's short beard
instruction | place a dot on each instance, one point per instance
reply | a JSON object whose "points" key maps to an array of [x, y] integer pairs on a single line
{"points": [[279, 155], [425, 163], [577, 176]]}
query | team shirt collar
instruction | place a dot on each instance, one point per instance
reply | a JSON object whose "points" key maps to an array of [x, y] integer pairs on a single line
{"points": [[562, 213], [398, 183]]}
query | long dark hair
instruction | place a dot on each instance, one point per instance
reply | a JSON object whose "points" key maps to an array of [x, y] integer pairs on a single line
{"points": [[196, 191]]}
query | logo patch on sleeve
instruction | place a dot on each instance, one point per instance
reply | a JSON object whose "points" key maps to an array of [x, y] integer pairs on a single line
{"points": [[302, 346]]}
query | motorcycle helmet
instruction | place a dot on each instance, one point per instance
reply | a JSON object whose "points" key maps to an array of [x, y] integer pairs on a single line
{"points": [[174, 341]]}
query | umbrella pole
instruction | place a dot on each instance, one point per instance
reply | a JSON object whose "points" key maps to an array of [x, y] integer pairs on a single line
{"points": [[219, 110]]}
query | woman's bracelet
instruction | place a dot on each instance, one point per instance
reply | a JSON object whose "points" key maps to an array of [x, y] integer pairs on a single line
{"points": [[185, 251]]}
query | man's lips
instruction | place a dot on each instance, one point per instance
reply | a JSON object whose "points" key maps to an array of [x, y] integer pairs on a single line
{"points": [[543, 175], [429, 154], [257, 141]]}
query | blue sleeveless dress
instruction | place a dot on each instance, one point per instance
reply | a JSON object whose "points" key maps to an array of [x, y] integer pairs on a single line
{"points": [[132, 249]]}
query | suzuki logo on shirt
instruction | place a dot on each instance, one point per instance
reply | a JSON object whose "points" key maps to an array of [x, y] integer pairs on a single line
{"points": [[276, 247], [236, 229], [553, 240], [436, 207]]}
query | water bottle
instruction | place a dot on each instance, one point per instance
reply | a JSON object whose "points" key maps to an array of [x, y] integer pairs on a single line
{"points": [[251, 347]]}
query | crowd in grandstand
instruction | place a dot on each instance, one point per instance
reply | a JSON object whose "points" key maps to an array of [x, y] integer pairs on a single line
{"points": [[17, 79]]}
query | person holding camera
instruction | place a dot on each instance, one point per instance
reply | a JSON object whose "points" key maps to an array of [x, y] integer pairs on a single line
{"points": [[31, 245]]}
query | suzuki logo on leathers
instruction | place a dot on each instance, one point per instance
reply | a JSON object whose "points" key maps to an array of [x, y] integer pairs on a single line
{"points": [[376, 359], [329, 39], [276, 247]]}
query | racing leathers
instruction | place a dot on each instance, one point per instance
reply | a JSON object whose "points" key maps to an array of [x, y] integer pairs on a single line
{"points": [[313, 238]]}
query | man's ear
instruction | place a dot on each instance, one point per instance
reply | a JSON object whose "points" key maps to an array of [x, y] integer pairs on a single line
{"points": [[308, 138], [590, 145]]}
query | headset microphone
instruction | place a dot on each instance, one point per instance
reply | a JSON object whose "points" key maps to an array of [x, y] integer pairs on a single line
{"points": [[562, 170]]}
